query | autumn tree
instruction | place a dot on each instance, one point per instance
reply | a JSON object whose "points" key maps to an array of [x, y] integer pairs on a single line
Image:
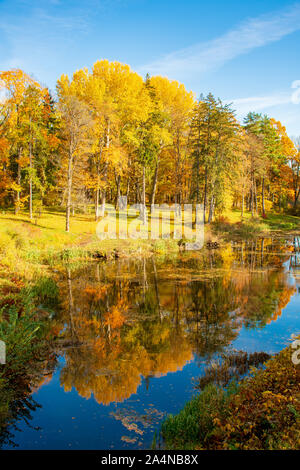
{"points": [[213, 133], [15, 85], [177, 103], [265, 154], [76, 128], [295, 166]]}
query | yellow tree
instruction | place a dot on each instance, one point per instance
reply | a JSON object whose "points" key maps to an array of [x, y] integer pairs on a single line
{"points": [[121, 107], [5, 177], [288, 168], [113, 94], [15, 85], [242, 170], [178, 103], [91, 91], [77, 127]]}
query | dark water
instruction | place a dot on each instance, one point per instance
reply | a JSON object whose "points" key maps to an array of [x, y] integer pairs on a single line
{"points": [[134, 333]]}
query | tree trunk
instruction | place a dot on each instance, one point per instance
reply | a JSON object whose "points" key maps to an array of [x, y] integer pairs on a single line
{"points": [[178, 174], [205, 195], [263, 196], [30, 180], [128, 188], [69, 192], [138, 197], [96, 204], [105, 169], [17, 205], [118, 184], [155, 178], [144, 213], [255, 197], [243, 202], [98, 162], [211, 210], [252, 198]]}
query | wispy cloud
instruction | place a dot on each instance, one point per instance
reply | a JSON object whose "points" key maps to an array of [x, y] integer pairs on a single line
{"points": [[251, 34], [258, 103], [279, 105]]}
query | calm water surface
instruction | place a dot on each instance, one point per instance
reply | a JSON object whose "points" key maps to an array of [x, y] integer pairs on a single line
{"points": [[133, 334]]}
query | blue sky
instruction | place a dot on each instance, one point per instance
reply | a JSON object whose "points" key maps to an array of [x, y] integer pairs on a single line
{"points": [[246, 52]]}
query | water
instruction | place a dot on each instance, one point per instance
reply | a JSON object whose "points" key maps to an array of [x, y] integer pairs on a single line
{"points": [[135, 333]]}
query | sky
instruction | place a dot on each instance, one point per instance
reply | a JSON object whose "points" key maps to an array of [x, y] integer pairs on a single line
{"points": [[244, 52]]}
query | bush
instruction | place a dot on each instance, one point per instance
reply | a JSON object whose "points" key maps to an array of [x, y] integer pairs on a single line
{"points": [[261, 413]]}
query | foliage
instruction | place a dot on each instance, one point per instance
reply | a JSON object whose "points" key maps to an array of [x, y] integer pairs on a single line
{"points": [[111, 133], [263, 412]]}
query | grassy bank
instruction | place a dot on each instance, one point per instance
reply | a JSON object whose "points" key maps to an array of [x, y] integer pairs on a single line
{"points": [[230, 225], [44, 241], [25, 329], [24, 243], [260, 412]]}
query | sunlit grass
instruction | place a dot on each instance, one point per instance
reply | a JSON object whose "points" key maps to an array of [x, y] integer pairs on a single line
{"points": [[27, 245]]}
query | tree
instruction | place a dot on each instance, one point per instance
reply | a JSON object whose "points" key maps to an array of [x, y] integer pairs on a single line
{"points": [[213, 135], [16, 85], [294, 160], [114, 133], [177, 104], [266, 153], [33, 123], [76, 128]]}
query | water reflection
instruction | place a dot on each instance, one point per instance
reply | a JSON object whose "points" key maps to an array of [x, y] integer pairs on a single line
{"points": [[123, 324], [137, 318]]}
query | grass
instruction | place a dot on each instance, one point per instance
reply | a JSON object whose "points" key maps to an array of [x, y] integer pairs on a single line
{"points": [[26, 334], [262, 412], [47, 242], [231, 226], [194, 425]]}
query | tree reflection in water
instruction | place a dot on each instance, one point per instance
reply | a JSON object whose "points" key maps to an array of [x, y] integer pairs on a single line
{"points": [[128, 320], [136, 318]]}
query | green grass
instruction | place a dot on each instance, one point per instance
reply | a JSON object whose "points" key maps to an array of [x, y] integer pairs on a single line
{"points": [[283, 222], [26, 247], [231, 225], [195, 422]]}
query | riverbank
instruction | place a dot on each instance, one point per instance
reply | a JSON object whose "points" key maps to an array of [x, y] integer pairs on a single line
{"points": [[231, 227], [262, 412], [27, 331], [43, 241]]}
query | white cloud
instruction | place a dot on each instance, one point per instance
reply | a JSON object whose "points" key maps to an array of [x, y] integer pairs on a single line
{"points": [[257, 103], [253, 33], [278, 105]]}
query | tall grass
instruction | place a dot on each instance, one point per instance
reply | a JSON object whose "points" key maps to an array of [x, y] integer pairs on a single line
{"points": [[195, 423]]}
